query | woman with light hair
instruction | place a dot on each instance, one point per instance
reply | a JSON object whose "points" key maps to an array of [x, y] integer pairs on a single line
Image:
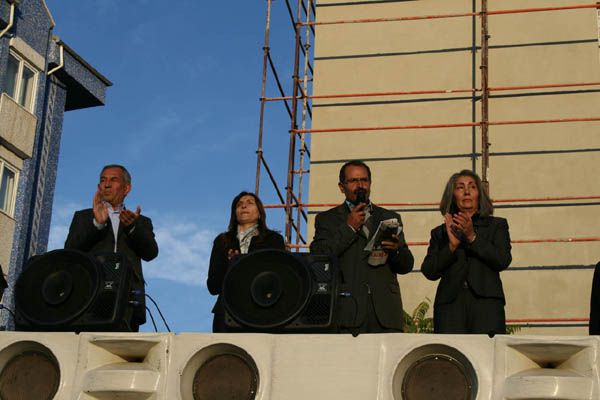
{"points": [[467, 253]]}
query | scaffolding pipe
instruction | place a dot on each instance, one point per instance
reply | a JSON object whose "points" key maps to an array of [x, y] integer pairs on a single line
{"points": [[428, 204], [525, 241], [293, 130], [455, 15], [565, 240], [485, 142], [272, 179], [534, 320], [456, 125], [544, 121], [304, 90], [279, 86], [259, 150], [438, 91]]}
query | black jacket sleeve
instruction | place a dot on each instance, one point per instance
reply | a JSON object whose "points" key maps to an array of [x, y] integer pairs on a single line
{"points": [[494, 252], [141, 239], [439, 257], [331, 238], [83, 234], [218, 265]]}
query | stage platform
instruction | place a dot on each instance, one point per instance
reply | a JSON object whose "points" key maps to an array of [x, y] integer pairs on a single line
{"points": [[192, 366]]}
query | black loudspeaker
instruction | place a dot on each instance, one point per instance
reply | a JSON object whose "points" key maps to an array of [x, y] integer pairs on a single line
{"points": [[278, 291], [67, 290]]}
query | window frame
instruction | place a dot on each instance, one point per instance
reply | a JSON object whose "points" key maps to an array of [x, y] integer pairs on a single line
{"points": [[23, 63], [10, 210]]}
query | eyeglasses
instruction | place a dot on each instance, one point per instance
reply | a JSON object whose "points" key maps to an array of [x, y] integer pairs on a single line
{"points": [[357, 180]]}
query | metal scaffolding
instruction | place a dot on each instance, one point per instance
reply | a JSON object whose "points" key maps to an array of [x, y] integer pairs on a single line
{"points": [[300, 114], [298, 106]]}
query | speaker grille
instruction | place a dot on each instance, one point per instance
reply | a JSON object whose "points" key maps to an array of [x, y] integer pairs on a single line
{"points": [[320, 268], [56, 287], [266, 289], [318, 310], [31, 375], [436, 377], [67, 290], [435, 371], [225, 377], [104, 307]]}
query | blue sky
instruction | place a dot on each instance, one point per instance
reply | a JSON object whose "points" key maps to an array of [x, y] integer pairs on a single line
{"points": [[183, 116]]}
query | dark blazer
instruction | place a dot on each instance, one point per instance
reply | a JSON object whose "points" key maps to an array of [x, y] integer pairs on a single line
{"points": [[478, 263], [334, 237], [135, 245], [219, 265]]}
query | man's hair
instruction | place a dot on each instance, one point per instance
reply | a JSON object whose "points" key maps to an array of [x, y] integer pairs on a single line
{"points": [[126, 175], [353, 163], [448, 205]]}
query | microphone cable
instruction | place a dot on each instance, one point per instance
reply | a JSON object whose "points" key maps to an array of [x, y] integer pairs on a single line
{"points": [[159, 312], [152, 318]]}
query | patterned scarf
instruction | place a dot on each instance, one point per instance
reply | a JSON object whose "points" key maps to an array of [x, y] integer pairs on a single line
{"points": [[245, 237]]}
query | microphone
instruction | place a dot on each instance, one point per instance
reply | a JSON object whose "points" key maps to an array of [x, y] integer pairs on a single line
{"points": [[361, 196]]}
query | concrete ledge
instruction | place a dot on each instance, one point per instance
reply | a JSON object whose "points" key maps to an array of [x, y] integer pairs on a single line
{"points": [[17, 127]]}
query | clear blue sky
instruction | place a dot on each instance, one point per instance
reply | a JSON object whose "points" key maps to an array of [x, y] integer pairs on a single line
{"points": [[183, 116]]}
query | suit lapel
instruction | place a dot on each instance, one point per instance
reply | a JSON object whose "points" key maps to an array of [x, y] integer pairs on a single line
{"points": [[344, 211]]}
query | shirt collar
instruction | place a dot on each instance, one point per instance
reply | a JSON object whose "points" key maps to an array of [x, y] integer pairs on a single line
{"points": [[115, 210], [351, 206]]}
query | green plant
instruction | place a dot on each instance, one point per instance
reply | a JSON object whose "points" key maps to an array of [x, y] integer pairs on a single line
{"points": [[417, 322], [512, 329]]}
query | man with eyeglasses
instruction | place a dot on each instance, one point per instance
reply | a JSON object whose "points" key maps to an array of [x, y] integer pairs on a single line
{"points": [[369, 296]]}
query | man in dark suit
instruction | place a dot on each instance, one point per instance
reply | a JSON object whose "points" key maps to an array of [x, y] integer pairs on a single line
{"points": [[370, 298], [110, 227]]}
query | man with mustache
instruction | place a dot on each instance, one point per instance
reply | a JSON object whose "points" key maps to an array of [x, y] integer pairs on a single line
{"points": [[369, 300], [109, 227]]}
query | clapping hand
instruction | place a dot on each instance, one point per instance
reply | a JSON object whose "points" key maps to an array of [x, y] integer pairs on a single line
{"points": [[232, 253], [459, 226], [464, 224], [453, 240], [100, 209], [128, 218]]}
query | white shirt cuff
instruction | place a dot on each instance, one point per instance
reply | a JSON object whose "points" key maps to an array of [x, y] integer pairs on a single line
{"points": [[97, 225]]}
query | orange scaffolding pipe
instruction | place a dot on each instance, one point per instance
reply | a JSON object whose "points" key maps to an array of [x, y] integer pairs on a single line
{"points": [[436, 91], [522, 241], [547, 86], [565, 240], [483, 14], [456, 125], [526, 320], [453, 15], [415, 204]]}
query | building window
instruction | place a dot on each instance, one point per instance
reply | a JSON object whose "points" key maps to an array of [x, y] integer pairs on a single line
{"points": [[8, 187], [20, 81]]}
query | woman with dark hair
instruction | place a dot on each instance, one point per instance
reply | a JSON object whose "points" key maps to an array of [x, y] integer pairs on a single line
{"points": [[467, 252], [246, 233]]}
